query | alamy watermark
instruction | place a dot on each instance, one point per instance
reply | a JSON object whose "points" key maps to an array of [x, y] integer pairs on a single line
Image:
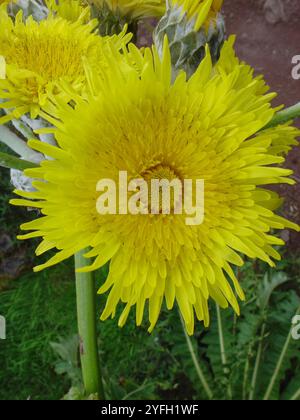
{"points": [[157, 196], [296, 68], [2, 328], [296, 327]]}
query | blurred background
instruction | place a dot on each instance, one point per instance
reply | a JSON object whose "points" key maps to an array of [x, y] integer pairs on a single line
{"points": [[39, 358]]}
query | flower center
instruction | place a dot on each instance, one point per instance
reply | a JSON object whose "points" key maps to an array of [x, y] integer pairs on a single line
{"points": [[50, 56], [160, 172], [169, 193]]}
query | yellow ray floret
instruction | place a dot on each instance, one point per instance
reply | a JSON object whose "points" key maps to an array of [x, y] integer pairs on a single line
{"points": [[72, 10], [201, 11], [134, 9], [138, 120], [40, 56]]}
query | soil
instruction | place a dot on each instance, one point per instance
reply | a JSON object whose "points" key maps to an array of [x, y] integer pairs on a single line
{"points": [[268, 37]]}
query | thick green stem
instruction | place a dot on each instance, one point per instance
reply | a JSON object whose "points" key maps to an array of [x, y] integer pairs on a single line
{"points": [[196, 363], [284, 116], [12, 162], [86, 315]]}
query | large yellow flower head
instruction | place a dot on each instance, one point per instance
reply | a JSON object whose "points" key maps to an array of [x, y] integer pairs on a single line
{"points": [[41, 55], [134, 9], [138, 120]]}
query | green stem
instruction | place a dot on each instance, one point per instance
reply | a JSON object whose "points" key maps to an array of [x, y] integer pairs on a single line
{"points": [[86, 315], [12, 162], [296, 396], [257, 363], [279, 363], [222, 348], [284, 116], [196, 363], [246, 372], [221, 337]]}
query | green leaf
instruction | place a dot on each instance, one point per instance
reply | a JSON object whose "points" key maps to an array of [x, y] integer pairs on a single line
{"points": [[12, 162]]}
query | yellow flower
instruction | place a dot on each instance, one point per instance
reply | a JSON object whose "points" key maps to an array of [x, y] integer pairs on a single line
{"points": [[201, 11], [134, 9], [41, 56], [72, 10], [141, 122]]}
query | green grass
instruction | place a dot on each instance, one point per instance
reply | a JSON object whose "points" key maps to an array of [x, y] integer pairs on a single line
{"points": [[38, 309]]}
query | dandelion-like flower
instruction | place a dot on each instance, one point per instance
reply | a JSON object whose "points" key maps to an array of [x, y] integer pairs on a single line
{"points": [[138, 120], [133, 9], [40, 56]]}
